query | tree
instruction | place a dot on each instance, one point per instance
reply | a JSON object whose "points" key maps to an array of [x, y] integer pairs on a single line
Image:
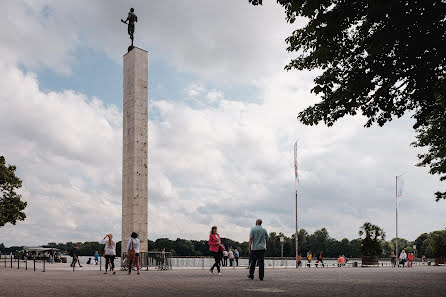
{"points": [[371, 243], [378, 58], [433, 135], [11, 205], [438, 243]]}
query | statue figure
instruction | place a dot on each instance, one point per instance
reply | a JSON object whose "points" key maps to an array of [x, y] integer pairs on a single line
{"points": [[131, 18]]}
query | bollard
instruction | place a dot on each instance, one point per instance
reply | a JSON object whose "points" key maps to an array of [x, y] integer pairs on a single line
{"points": [[18, 263], [11, 261], [26, 263], [202, 264], [43, 265], [100, 263], [34, 260]]}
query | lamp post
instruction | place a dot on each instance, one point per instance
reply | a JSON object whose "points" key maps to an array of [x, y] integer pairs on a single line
{"points": [[281, 247]]}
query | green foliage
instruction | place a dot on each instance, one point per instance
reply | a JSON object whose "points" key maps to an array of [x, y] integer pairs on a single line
{"points": [[371, 244], [387, 248], [432, 134], [11, 205], [431, 245], [438, 243], [377, 58]]}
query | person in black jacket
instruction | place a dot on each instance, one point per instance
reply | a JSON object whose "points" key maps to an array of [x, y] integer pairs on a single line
{"points": [[75, 255]]}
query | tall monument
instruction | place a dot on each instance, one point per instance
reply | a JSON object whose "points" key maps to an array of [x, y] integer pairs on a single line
{"points": [[135, 140]]}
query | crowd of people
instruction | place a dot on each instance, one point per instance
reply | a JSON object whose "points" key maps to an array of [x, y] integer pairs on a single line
{"points": [[258, 237], [403, 259], [257, 247]]}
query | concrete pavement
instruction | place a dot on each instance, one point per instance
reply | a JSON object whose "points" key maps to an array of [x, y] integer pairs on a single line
{"points": [[382, 281]]}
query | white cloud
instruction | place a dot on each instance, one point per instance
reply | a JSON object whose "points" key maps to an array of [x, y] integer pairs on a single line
{"points": [[218, 162], [230, 41]]}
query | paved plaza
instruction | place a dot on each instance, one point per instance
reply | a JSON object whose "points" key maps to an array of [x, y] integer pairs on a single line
{"points": [[383, 281]]}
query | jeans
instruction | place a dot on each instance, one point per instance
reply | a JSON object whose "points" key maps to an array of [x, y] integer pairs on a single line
{"points": [[236, 261], [257, 256], [217, 261], [109, 259]]}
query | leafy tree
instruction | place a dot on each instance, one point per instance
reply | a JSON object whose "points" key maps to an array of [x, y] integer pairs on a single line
{"points": [[371, 243], [419, 243], [378, 58], [11, 205], [402, 244], [388, 248], [432, 134], [438, 243]]}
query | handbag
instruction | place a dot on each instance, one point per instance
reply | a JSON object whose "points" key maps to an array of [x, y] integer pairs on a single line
{"points": [[131, 254]]}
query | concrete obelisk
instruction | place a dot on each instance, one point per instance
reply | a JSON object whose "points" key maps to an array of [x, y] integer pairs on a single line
{"points": [[134, 153]]}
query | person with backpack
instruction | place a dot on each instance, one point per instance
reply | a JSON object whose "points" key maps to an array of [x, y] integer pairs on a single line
{"points": [[215, 247], [109, 252], [133, 251]]}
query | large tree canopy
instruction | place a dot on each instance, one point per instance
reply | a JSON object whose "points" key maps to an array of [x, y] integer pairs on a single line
{"points": [[11, 205], [380, 58]]}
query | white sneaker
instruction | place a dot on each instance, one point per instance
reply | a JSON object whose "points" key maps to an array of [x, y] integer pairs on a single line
{"points": [[219, 273]]}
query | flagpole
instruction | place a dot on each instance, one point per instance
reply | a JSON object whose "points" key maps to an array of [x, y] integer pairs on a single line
{"points": [[297, 240], [295, 186], [396, 214]]}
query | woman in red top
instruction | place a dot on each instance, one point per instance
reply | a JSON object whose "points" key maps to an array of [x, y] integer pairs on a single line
{"points": [[214, 246]]}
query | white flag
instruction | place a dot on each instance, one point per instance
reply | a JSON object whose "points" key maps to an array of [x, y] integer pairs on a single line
{"points": [[399, 186]]}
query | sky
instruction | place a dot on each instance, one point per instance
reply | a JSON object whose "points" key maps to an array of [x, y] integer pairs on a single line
{"points": [[222, 125]]}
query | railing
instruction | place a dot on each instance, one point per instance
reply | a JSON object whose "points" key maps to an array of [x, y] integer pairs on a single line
{"points": [[11, 261], [158, 260], [165, 261]]}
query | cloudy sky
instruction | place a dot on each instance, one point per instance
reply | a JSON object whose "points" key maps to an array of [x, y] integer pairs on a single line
{"points": [[222, 124]]}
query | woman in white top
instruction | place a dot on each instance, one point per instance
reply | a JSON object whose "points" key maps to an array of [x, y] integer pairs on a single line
{"points": [[110, 252], [133, 244], [403, 257]]}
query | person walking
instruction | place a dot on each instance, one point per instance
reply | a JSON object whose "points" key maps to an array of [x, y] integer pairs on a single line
{"points": [[110, 252], [236, 256], [75, 255], [320, 259], [299, 261], [133, 251], [225, 258], [403, 258], [231, 257], [96, 257], [214, 247], [258, 239]]}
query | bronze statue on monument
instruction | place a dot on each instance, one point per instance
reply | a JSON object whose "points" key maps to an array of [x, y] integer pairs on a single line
{"points": [[131, 18]]}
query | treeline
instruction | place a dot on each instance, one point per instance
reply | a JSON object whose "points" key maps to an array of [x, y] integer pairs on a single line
{"points": [[428, 244]]}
